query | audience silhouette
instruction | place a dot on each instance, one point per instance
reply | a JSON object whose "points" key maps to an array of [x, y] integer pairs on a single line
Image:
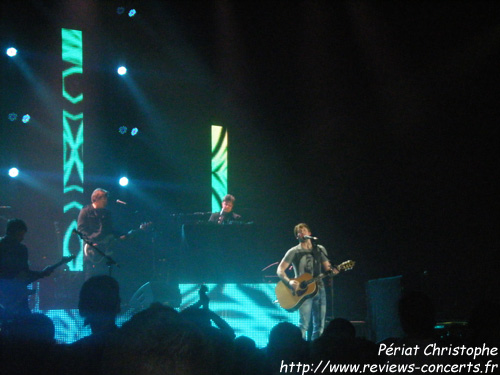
{"points": [[99, 305], [285, 346], [161, 340], [28, 345], [158, 340]]}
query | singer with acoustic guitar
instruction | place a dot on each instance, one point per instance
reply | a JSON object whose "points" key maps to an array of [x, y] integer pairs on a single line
{"points": [[307, 257]]}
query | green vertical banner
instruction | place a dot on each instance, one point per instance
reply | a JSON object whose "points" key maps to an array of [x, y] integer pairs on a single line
{"points": [[219, 166], [72, 123]]}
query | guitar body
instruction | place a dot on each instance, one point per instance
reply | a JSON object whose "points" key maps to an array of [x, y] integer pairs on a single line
{"points": [[291, 300], [14, 292], [13, 297], [106, 246]]}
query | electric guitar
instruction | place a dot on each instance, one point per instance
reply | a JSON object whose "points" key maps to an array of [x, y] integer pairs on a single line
{"points": [[14, 291], [107, 243], [291, 300]]}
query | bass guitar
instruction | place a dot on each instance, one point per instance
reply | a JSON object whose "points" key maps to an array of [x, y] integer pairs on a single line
{"points": [[107, 243], [14, 291], [291, 300]]}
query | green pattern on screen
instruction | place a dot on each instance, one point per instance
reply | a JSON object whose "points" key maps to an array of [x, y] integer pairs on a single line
{"points": [[219, 166], [72, 121]]}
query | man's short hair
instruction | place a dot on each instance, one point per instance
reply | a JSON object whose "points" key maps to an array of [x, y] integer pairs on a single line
{"points": [[16, 225], [229, 198], [300, 226], [98, 194]]}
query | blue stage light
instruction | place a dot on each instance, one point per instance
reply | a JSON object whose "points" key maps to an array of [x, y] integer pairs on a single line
{"points": [[120, 10], [132, 13], [134, 131], [123, 181], [11, 52], [26, 118], [122, 129], [12, 116], [13, 172]]}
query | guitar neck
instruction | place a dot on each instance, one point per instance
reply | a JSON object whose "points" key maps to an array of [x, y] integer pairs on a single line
{"points": [[54, 266], [142, 228], [340, 267], [48, 270], [317, 278]]}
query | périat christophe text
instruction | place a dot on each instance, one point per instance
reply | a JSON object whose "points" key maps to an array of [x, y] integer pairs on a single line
{"points": [[437, 350]]}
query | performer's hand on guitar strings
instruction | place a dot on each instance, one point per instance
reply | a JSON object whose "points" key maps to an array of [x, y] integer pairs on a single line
{"points": [[293, 284], [334, 270]]}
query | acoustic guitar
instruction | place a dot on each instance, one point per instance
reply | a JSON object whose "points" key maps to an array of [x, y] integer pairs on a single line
{"points": [[291, 300]]}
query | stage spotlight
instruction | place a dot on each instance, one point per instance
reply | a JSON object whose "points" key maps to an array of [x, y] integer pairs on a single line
{"points": [[13, 172], [120, 10], [26, 118], [122, 70], [11, 52], [132, 13], [122, 129], [123, 181], [134, 131], [12, 116]]}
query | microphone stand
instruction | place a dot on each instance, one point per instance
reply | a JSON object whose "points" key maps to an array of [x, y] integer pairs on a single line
{"points": [[109, 261], [317, 256]]}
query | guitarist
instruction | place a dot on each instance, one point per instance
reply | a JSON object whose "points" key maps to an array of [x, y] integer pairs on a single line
{"points": [[308, 256], [96, 224], [15, 274]]}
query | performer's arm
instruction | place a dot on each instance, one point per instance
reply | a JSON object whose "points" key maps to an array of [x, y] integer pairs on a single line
{"points": [[294, 284], [221, 324], [83, 225], [327, 266]]}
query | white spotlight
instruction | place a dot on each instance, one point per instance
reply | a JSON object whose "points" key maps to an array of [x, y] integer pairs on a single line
{"points": [[122, 70], [13, 172], [11, 52], [123, 181]]}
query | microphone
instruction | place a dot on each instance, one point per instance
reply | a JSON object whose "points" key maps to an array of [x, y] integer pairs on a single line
{"points": [[121, 202], [310, 238], [221, 216]]}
